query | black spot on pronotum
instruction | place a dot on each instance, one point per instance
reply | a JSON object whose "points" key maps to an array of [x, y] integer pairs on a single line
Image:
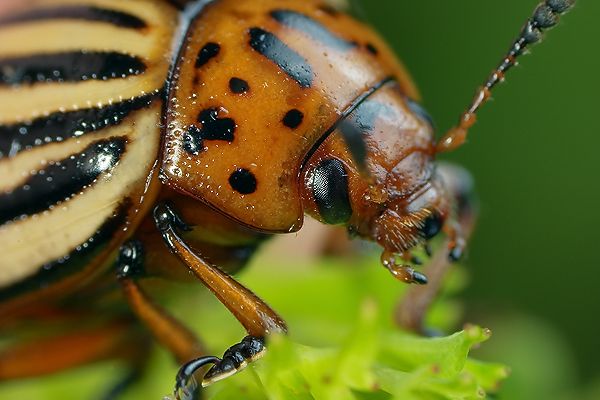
{"points": [[292, 63], [76, 12], [211, 128], [70, 66], [432, 225], [293, 118], [329, 183], [60, 126], [310, 27], [243, 181], [206, 53], [345, 113], [62, 179], [366, 115], [356, 128], [355, 142], [215, 128], [372, 49], [192, 141], [238, 86]]}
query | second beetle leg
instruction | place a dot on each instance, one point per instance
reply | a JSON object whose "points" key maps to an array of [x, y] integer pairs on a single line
{"points": [[165, 328], [235, 359], [254, 314]]}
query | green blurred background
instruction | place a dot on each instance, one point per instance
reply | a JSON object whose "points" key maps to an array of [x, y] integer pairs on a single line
{"points": [[533, 259]]}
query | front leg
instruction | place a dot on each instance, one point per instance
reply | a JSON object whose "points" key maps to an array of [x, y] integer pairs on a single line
{"points": [[254, 314]]}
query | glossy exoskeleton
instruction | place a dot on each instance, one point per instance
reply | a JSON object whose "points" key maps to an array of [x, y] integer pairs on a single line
{"points": [[176, 136]]}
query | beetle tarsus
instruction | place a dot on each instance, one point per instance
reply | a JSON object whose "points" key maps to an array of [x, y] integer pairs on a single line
{"points": [[130, 261], [456, 251], [407, 274], [236, 358], [427, 249], [186, 386], [457, 242]]}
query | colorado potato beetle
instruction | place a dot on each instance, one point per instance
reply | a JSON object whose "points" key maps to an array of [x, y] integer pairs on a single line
{"points": [[134, 129]]}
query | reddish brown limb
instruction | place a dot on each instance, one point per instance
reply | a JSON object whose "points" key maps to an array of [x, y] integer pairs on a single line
{"points": [[410, 313], [254, 314], [116, 339], [172, 334], [545, 16]]}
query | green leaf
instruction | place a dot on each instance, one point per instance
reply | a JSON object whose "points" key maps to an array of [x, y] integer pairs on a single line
{"points": [[342, 345], [371, 364]]}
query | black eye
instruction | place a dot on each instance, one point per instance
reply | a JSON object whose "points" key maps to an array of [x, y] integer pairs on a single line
{"points": [[329, 183], [420, 112], [432, 226]]}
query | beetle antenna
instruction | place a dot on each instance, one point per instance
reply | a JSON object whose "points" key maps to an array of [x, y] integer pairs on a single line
{"points": [[545, 16]]}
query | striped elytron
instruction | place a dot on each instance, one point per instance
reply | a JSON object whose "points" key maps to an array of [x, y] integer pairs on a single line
{"points": [[130, 130]]}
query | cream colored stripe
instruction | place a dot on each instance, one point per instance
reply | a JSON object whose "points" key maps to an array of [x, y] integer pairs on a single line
{"points": [[25, 103], [153, 45], [154, 12], [15, 170], [27, 244], [57, 36]]}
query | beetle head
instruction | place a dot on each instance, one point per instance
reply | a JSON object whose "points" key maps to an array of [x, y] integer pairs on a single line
{"points": [[394, 194]]}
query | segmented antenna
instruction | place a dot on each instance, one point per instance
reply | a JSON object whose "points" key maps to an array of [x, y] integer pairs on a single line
{"points": [[545, 16]]}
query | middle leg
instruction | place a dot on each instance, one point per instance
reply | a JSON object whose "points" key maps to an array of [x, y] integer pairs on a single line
{"points": [[254, 314]]}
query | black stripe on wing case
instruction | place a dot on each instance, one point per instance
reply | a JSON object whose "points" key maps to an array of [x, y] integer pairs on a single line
{"points": [[72, 66], [312, 28], [87, 13], [75, 261], [61, 179], [292, 63], [65, 125]]}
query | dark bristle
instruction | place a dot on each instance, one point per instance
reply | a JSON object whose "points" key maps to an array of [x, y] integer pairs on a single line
{"points": [[560, 6], [544, 16]]}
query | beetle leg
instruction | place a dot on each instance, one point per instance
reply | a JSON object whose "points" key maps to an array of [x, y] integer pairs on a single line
{"points": [[411, 311], [402, 272], [235, 359], [254, 314], [185, 384], [457, 241], [166, 329], [116, 339]]}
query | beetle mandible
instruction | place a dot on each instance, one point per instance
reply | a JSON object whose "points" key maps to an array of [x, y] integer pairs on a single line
{"points": [[131, 130]]}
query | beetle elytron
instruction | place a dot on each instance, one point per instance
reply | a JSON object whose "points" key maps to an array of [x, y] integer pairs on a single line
{"points": [[131, 129]]}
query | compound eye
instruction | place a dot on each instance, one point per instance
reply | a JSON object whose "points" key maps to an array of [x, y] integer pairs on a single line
{"points": [[420, 112], [329, 184], [432, 225]]}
